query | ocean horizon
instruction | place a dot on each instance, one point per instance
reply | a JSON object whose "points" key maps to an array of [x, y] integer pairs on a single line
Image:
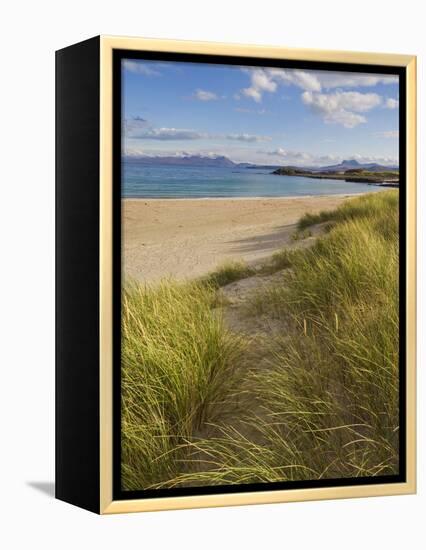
{"points": [[174, 182]]}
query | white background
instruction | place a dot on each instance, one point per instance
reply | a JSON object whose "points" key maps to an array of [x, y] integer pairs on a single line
{"points": [[30, 32]]}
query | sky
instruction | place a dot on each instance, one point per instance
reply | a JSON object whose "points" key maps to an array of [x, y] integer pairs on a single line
{"points": [[262, 115]]}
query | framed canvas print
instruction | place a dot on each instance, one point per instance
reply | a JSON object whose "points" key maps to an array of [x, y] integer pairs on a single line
{"points": [[235, 274]]}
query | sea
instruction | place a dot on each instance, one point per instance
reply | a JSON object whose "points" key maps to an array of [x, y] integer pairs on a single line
{"points": [[189, 182]]}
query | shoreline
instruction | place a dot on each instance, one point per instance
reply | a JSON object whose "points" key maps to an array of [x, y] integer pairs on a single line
{"points": [[260, 197], [188, 238]]}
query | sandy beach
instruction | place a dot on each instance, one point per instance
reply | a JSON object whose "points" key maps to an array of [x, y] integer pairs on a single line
{"points": [[186, 238]]}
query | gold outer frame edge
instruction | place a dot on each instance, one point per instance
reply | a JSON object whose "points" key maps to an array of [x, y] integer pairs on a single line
{"points": [[105, 276], [107, 504], [411, 272]]}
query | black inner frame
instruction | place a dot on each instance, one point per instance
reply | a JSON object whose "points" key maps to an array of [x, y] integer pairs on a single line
{"points": [[118, 56]]}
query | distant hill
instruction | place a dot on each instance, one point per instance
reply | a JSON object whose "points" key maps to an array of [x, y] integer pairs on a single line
{"points": [[351, 164], [353, 171], [344, 165], [187, 160]]}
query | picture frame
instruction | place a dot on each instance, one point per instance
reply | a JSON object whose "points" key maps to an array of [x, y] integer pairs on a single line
{"points": [[89, 246]]}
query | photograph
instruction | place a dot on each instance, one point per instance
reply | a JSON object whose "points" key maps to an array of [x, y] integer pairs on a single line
{"points": [[260, 271], [212, 273]]}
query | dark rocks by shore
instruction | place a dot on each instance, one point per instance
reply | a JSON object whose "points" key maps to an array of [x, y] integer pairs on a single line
{"points": [[385, 179]]}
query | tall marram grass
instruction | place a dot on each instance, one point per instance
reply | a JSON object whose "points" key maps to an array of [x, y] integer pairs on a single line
{"points": [[374, 205], [227, 273], [333, 385], [178, 366], [326, 403]]}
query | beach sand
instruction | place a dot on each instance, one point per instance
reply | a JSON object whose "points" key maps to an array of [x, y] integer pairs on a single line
{"points": [[186, 238]]}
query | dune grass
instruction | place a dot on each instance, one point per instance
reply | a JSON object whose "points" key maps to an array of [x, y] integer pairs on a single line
{"points": [[178, 367], [333, 384], [368, 206], [326, 405], [279, 260], [227, 273], [336, 382], [301, 234]]}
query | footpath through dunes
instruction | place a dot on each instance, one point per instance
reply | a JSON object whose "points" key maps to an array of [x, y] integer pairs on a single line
{"points": [[240, 300], [242, 305]]}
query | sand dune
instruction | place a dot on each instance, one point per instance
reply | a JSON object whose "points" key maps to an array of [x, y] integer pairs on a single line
{"points": [[187, 238]]}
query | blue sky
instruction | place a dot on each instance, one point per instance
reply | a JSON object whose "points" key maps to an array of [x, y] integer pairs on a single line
{"points": [[260, 115]]}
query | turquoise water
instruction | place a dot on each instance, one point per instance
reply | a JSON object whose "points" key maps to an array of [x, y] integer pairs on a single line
{"points": [[209, 182]]}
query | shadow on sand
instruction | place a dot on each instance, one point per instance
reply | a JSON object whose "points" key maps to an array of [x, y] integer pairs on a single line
{"points": [[272, 241]]}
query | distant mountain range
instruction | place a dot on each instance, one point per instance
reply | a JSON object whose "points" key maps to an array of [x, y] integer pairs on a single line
{"points": [[225, 162]]}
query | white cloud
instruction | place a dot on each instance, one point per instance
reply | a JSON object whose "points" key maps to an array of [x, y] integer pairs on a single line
{"points": [[140, 67], [249, 138], [303, 158], [165, 134], [352, 101], [261, 81], [138, 152], [253, 93], [289, 155], [391, 103], [328, 159], [341, 107], [302, 79], [268, 79], [132, 152], [204, 95], [330, 80], [139, 128], [376, 159], [388, 134]]}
